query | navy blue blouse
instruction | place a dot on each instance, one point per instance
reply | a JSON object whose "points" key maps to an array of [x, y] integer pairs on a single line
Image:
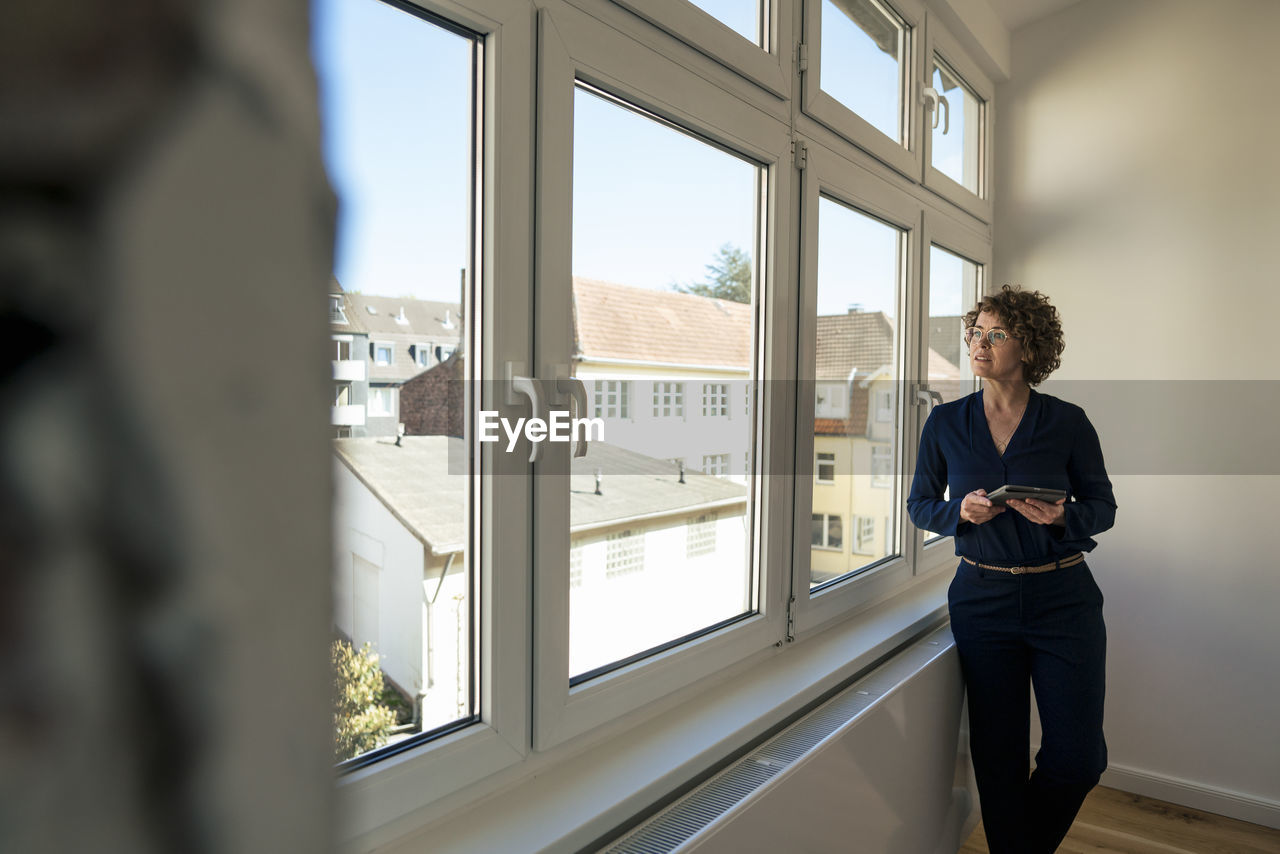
{"points": [[1054, 446]]}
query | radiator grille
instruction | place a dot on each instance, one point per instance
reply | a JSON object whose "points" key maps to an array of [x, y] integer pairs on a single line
{"points": [[671, 827]]}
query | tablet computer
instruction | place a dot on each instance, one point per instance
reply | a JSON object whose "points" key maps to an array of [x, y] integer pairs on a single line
{"points": [[1004, 493]]}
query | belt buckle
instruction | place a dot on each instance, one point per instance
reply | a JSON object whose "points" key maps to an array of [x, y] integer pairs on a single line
{"points": [[1017, 570]]}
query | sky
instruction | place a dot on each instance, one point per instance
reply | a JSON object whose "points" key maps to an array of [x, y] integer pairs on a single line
{"points": [[741, 15], [395, 103], [651, 205]]}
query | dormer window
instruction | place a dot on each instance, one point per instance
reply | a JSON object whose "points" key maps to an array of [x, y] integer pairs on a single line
{"points": [[337, 314]]}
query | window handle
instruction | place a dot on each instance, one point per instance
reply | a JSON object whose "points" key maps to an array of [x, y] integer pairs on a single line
{"points": [[577, 392], [933, 98], [531, 389], [928, 397]]}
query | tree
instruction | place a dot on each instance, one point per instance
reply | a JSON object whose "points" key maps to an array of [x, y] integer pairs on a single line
{"points": [[360, 721], [728, 277]]}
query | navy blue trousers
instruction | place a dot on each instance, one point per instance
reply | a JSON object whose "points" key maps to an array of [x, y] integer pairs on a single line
{"points": [[1044, 631]]}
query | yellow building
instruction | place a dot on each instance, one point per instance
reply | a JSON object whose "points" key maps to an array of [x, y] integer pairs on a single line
{"points": [[856, 411]]}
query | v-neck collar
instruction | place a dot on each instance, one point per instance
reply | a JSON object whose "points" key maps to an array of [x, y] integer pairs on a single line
{"points": [[1027, 414]]}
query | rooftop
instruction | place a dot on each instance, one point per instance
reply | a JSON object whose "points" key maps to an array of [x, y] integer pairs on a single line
{"points": [[414, 482], [614, 321], [396, 316]]}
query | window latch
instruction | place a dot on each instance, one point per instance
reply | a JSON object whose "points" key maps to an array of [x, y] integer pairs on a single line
{"points": [[532, 389], [928, 397], [932, 97], [577, 392]]}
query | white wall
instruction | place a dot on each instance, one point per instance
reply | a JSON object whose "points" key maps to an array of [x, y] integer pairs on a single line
{"points": [[1136, 184], [365, 528], [691, 436], [670, 595]]}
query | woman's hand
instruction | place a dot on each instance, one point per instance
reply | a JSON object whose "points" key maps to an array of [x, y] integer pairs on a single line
{"points": [[977, 508], [1040, 512]]}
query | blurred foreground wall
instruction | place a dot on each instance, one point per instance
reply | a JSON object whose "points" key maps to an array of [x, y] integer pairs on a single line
{"points": [[165, 231]]}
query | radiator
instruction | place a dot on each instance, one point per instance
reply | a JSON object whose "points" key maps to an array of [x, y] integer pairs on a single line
{"points": [[875, 769]]}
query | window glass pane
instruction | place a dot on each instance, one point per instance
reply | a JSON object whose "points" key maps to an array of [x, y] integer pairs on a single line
{"points": [[857, 373], [397, 94], [664, 227], [861, 64], [745, 17], [954, 285], [957, 143]]}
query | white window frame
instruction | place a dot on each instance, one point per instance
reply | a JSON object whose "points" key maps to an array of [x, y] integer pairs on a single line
{"points": [[862, 535], [827, 519], [376, 392], [338, 389], [337, 311], [883, 406], [423, 353], [576, 47], [374, 794], [386, 800], [618, 391], [339, 341], [716, 465], [575, 565], [390, 347], [904, 157], [828, 174], [624, 553], [668, 399], [881, 465], [971, 244], [940, 41], [715, 400], [831, 400], [819, 463], [700, 536], [769, 67]]}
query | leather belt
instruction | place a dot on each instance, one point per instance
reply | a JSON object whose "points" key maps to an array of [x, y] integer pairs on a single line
{"points": [[1061, 563]]}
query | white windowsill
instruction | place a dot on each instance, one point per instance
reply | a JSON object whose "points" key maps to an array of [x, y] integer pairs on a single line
{"points": [[570, 797]]}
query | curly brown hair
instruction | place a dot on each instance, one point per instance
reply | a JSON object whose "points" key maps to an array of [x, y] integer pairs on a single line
{"points": [[1029, 317]]}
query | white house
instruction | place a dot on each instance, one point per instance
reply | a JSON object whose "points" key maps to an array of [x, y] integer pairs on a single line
{"points": [[668, 372], [653, 553]]}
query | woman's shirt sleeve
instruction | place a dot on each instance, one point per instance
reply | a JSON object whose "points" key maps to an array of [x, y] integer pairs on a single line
{"points": [[1092, 508], [928, 509]]}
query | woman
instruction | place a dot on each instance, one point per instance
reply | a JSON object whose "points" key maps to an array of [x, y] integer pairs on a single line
{"points": [[1024, 606]]}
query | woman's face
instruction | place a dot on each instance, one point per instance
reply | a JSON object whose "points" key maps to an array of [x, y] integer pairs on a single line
{"points": [[1002, 362]]}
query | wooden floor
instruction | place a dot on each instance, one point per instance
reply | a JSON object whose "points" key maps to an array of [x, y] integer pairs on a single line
{"points": [[1115, 821]]}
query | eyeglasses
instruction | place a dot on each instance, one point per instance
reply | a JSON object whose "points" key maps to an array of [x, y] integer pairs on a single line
{"points": [[995, 337]]}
